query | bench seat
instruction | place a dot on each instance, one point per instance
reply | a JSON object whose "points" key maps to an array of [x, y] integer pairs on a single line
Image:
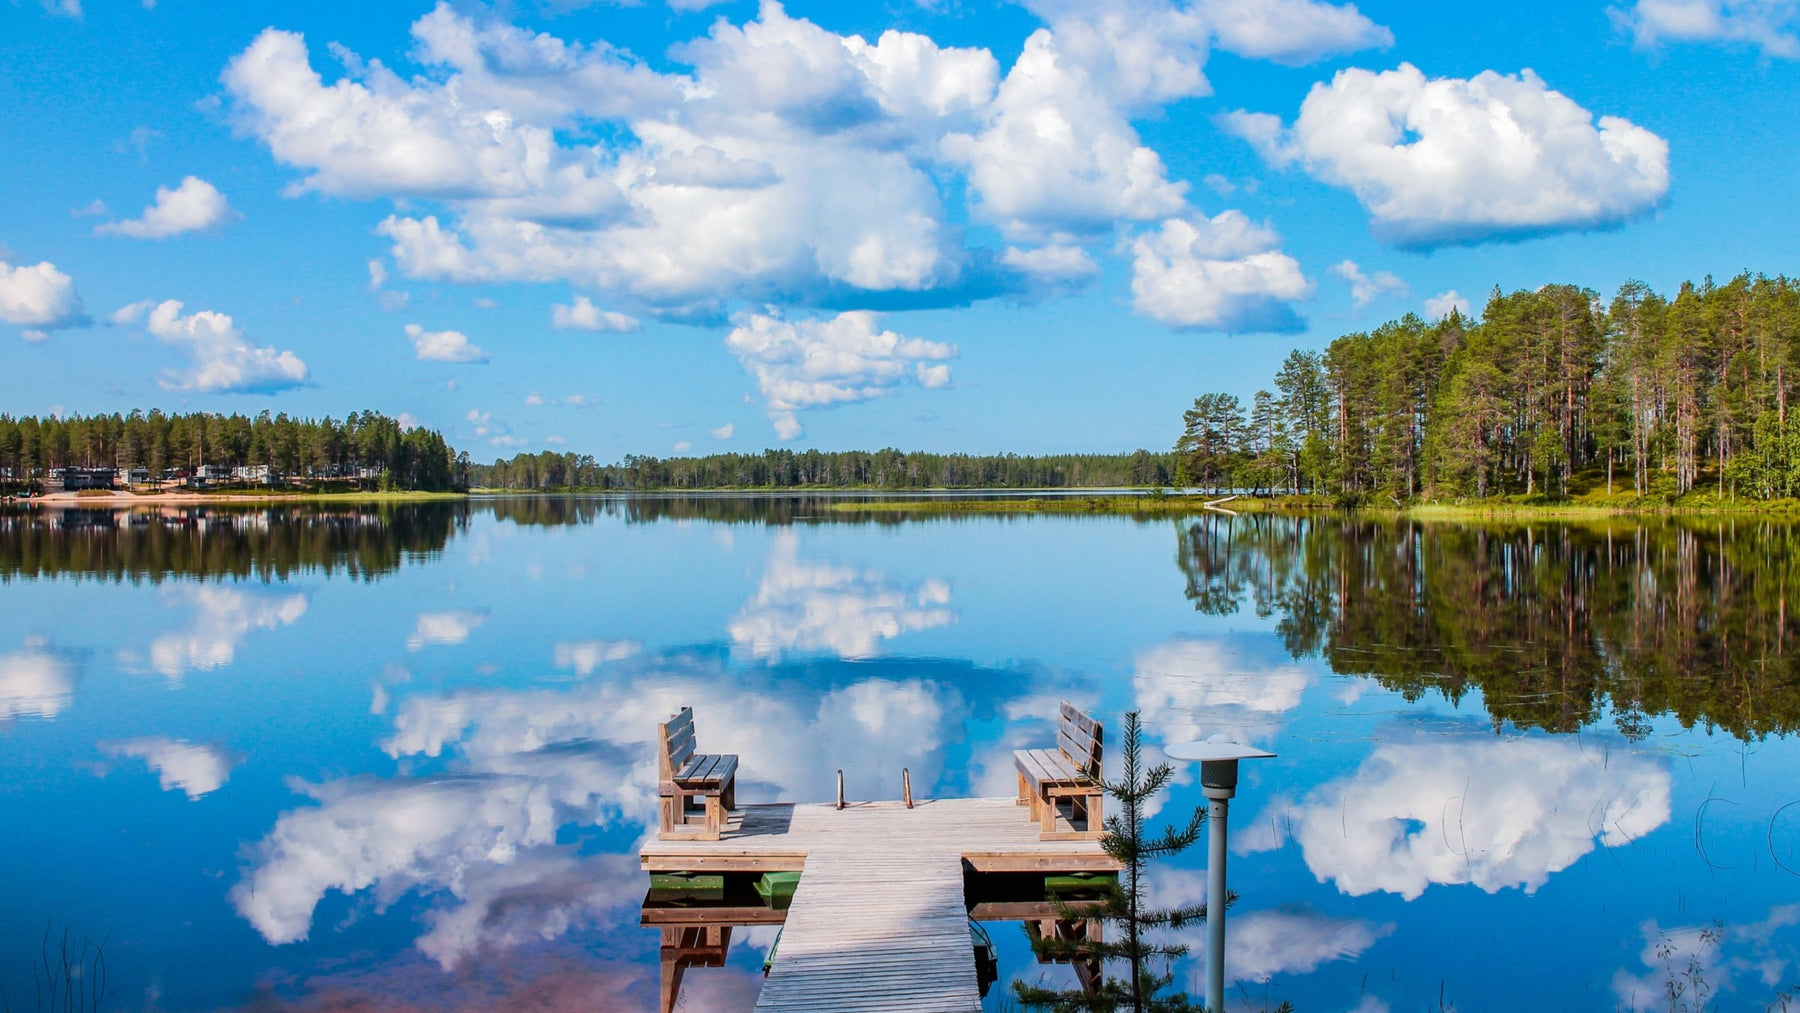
{"points": [[707, 774]]}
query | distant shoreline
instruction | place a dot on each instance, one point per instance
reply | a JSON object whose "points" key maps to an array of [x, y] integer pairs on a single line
{"points": [[122, 498], [1294, 506], [1002, 502]]}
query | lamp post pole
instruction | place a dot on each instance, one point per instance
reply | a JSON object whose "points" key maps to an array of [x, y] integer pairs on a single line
{"points": [[1218, 758], [1219, 781]]}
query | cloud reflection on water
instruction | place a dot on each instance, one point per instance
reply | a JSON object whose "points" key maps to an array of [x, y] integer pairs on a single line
{"points": [[802, 605], [179, 764], [444, 628], [488, 840], [544, 978], [36, 681], [1708, 960], [1189, 688], [222, 618], [1262, 944], [524, 763], [1495, 813], [583, 656]]}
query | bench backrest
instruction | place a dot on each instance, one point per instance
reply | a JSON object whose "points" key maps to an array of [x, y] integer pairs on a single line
{"points": [[675, 743], [1079, 738]]}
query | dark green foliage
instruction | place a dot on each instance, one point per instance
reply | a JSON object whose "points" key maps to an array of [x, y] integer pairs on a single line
{"points": [[392, 456], [789, 469], [1145, 987], [1647, 394], [1212, 442], [1554, 624], [362, 541]]}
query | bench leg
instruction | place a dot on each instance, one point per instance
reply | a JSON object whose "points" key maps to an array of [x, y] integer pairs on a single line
{"points": [[731, 794], [1087, 804], [1024, 791], [715, 817], [668, 814]]}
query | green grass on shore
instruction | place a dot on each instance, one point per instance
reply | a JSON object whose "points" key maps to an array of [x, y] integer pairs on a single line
{"points": [[1128, 506], [1496, 508]]}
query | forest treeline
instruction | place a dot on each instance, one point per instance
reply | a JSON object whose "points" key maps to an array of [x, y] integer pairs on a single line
{"points": [[368, 447], [791, 469], [1644, 394]]}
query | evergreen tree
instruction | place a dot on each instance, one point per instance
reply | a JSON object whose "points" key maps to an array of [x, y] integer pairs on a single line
{"points": [[1145, 988], [1212, 433]]}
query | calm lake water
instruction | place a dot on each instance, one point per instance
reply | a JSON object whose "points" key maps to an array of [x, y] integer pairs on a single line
{"points": [[400, 758]]}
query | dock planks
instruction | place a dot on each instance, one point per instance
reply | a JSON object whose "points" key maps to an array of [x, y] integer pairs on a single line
{"points": [[879, 921]]}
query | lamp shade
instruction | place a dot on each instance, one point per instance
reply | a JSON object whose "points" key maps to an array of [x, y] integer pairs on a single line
{"points": [[1213, 750]]}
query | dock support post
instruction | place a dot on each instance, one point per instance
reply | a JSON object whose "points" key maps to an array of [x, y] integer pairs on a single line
{"points": [[840, 802], [906, 786]]}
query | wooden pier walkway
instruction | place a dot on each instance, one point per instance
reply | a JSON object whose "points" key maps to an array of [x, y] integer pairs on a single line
{"points": [[879, 921]]}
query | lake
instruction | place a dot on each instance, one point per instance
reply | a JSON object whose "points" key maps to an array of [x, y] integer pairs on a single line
{"points": [[400, 757]]}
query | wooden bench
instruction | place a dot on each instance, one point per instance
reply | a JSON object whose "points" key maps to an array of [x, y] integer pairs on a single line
{"points": [[1071, 771], [683, 774]]}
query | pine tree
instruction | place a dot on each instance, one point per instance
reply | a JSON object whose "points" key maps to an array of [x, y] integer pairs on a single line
{"points": [[1146, 986]]}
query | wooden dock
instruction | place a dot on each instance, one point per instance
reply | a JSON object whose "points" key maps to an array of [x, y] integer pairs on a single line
{"points": [[879, 921]]}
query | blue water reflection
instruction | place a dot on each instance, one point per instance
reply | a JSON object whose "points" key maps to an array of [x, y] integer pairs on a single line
{"points": [[324, 771]]}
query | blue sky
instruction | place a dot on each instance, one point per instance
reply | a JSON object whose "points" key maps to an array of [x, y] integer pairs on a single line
{"points": [[951, 225]]}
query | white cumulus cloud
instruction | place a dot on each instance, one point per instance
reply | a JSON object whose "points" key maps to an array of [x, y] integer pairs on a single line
{"points": [[583, 315], [1439, 306], [777, 162], [788, 160], [1366, 288], [222, 360], [722, 432], [1769, 25], [1291, 31], [1224, 273], [813, 363], [443, 346], [1056, 153], [40, 298], [1057, 263], [190, 207], [1447, 160]]}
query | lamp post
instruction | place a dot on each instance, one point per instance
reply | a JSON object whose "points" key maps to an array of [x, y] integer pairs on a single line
{"points": [[1218, 758]]}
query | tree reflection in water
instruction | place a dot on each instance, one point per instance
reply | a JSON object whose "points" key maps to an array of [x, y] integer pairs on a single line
{"points": [[270, 543], [1554, 623]]}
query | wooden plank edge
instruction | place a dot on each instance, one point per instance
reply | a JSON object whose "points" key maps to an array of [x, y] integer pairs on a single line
{"points": [[721, 863], [1017, 862]]}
